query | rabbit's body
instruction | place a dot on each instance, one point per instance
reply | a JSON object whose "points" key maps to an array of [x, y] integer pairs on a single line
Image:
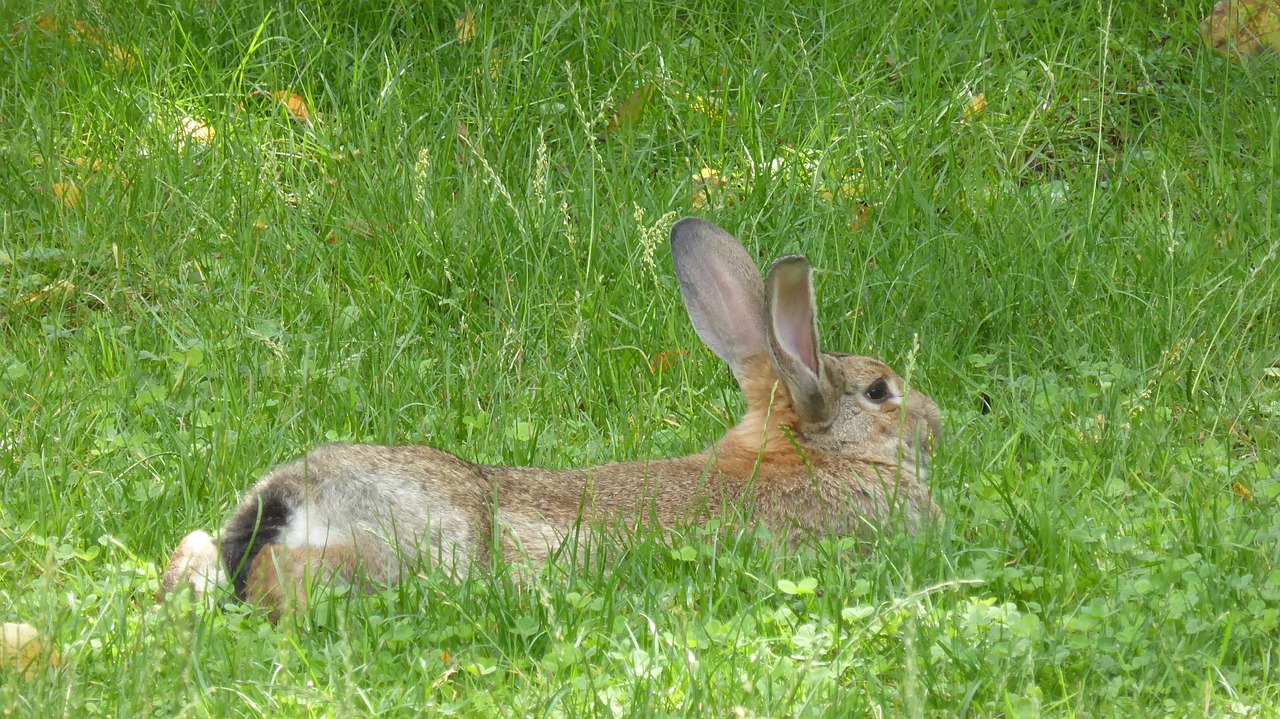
{"points": [[830, 444]]}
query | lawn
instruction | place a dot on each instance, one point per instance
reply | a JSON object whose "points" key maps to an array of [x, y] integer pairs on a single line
{"points": [[1058, 219]]}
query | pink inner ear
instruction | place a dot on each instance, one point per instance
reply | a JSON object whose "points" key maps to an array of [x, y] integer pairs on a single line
{"points": [[793, 326]]}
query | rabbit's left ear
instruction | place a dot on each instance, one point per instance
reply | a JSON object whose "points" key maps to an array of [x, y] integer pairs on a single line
{"points": [[792, 329], [722, 291]]}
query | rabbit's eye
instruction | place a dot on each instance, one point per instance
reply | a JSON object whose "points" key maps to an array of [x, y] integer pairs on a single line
{"points": [[878, 391]]}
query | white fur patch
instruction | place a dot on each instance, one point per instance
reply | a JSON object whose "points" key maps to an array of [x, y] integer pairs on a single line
{"points": [[308, 527], [200, 566]]}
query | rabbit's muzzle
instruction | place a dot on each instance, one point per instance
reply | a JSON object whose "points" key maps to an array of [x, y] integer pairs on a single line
{"points": [[925, 436]]}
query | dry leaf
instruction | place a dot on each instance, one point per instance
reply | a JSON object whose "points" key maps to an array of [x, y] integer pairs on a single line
{"points": [[85, 163], [120, 56], [296, 106], [708, 188], [860, 216], [465, 27], [189, 127], [1239, 28], [847, 191], [68, 193], [79, 28], [665, 360], [975, 106], [495, 64], [23, 649], [46, 22], [86, 31], [633, 108], [706, 107], [61, 287]]}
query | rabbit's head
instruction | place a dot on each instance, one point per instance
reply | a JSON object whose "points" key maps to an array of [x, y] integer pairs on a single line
{"points": [[837, 404]]}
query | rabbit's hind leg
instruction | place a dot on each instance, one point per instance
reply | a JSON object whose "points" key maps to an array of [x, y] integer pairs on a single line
{"points": [[281, 577], [195, 563]]}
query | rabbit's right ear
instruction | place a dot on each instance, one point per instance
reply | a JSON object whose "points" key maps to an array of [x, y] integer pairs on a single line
{"points": [[793, 337], [722, 291]]}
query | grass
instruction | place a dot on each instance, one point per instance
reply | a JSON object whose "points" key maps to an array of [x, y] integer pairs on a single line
{"points": [[462, 252]]}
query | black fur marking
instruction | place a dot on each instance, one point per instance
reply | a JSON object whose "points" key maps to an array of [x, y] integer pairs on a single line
{"points": [[257, 522]]}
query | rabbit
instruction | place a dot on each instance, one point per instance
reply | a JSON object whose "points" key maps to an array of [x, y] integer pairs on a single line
{"points": [[831, 443]]}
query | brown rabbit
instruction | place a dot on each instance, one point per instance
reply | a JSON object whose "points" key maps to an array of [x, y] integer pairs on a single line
{"points": [[831, 443]]}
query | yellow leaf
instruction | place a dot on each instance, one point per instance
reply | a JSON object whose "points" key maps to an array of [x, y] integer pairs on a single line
{"points": [[189, 127], [46, 22], [23, 648], [1239, 28], [850, 190], [79, 28], [710, 189], [120, 56], [87, 31], [705, 107], [68, 193], [975, 106], [665, 360], [860, 216], [465, 27], [61, 287], [85, 163], [294, 103]]}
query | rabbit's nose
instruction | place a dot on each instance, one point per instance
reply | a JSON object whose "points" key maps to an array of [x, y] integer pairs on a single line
{"points": [[927, 416]]}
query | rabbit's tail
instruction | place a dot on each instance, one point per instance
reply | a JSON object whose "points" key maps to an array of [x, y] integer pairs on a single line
{"points": [[264, 553], [260, 520], [207, 564]]}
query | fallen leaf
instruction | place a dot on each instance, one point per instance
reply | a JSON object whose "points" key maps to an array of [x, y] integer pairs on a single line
{"points": [[847, 191], [465, 27], [665, 360], [633, 107], [79, 28], [68, 193], [1240, 28], [22, 648], [46, 22], [860, 216], [975, 106], [296, 106], [61, 287], [85, 163], [708, 188], [120, 56], [189, 127], [87, 31], [495, 63], [707, 108]]}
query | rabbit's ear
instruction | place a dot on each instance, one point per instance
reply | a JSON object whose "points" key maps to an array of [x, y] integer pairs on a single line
{"points": [[721, 289], [793, 335]]}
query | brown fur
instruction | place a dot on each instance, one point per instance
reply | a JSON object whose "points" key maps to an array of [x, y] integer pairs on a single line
{"points": [[280, 577], [845, 459]]}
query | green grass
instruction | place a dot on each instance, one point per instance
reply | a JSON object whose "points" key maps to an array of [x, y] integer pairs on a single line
{"points": [[1093, 258]]}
